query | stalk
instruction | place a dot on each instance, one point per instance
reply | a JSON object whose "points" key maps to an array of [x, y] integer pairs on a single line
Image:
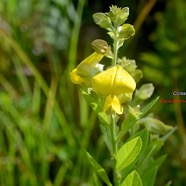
{"points": [[115, 149], [115, 50]]}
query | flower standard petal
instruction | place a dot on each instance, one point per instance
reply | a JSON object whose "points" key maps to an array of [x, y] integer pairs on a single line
{"points": [[113, 81]]}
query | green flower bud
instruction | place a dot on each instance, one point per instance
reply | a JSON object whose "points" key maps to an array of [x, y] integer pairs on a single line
{"points": [[117, 15], [145, 91], [155, 126], [126, 31], [101, 47], [102, 20]]}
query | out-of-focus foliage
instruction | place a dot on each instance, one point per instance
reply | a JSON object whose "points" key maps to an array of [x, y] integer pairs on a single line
{"points": [[42, 22], [37, 122]]}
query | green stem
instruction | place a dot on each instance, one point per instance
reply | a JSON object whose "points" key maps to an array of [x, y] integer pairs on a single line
{"points": [[116, 47], [115, 149], [113, 134]]}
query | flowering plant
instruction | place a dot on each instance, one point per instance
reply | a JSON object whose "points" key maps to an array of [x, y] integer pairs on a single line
{"points": [[132, 137]]}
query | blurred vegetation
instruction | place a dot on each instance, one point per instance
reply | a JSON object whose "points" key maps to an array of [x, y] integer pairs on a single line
{"points": [[43, 123]]}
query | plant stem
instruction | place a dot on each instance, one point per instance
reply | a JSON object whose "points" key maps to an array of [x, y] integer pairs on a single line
{"points": [[115, 149], [113, 134], [114, 62]]}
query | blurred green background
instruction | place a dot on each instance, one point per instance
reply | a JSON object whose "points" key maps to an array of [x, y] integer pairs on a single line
{"points": [[44, 121]]}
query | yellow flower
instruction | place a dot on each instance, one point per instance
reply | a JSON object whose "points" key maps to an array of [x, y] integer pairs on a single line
{"points": [[113, 83], [86, 69]]}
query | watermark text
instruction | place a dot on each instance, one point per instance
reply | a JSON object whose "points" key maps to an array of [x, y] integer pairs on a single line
{"points": [[167, 101]]}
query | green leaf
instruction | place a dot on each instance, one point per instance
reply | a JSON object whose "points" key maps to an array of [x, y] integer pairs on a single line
{"points": [[145, 109], [133, 179], [149, 176], [158, 162], [107, 136], [132, 118], [98, 169], [128, 153], [96, 180], [127, 124], [91, 101], [144, 135], [147, 158], [103, 118], [129, 121]]}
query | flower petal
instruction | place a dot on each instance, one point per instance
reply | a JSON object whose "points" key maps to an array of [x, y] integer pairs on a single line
{"points": [[86, 69], [114, 103], [113, 81], [91, 60], [75, 78]]}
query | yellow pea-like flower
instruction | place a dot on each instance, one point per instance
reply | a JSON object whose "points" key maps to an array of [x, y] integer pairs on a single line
{"points": [[86, 69], [114, 81]]}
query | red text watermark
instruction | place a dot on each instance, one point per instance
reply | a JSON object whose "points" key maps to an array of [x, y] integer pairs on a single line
{"points": [[167, 101]]}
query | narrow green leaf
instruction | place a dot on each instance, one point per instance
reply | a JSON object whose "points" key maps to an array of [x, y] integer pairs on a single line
{"points": [[145, 109], [133, 179], [98, 169], [149, 176], [131, 118], [107, 136], [96, 180], [144, 135], [128, 153], [103, 118], [158, 162], [127, 124], [91, 101], [146, 161]]}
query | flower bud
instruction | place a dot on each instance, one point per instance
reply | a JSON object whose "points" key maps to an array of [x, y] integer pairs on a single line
{"points": [[102, 20], [118, 15], [126, 31], [145, 91], [100, 46], [155, 126]]}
